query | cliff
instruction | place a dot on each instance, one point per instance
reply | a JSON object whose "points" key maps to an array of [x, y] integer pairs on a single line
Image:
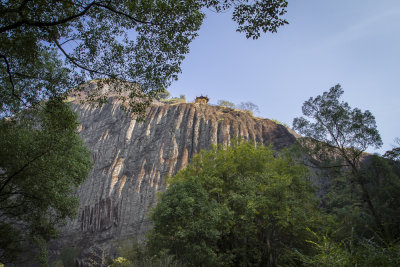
{"points": [[133, 159]]}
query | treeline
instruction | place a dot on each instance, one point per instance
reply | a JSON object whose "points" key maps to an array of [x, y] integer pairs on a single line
{"points": [[246, 106], [164, 96]]}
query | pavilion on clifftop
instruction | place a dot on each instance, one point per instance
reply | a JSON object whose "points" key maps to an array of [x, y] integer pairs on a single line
{"points": [[202, 99]]}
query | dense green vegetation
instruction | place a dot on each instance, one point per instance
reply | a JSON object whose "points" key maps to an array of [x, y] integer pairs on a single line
{"points": [[247, 205], [363, 191], [239, 205], [335, 130], [43, 160]]}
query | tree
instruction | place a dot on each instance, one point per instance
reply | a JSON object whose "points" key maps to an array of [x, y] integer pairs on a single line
{"points": [[345, 200], [338, 131], [383, 183], [165, 94], [225, 103], [48, 47], [394, 153], [248, 106], [43, 160], [240, 205]]}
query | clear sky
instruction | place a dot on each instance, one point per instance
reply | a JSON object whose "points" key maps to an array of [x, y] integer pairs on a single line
{"points": [[352, 42]]}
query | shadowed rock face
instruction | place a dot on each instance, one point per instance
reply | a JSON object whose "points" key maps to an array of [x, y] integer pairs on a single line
{"points": [[132, 160]]}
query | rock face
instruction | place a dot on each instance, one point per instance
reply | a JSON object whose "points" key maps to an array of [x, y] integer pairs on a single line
{"points": [[133, 159]]}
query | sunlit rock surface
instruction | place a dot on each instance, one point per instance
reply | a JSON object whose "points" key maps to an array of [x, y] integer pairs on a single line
{"points": [[133, 159]]}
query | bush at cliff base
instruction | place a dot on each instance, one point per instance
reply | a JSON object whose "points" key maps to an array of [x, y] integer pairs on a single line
{"points": [[237, 205]]}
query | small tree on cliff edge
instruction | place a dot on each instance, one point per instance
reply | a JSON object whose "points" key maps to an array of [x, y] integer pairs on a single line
{"points": [[248, 106], [337, 130], [225, 103]]}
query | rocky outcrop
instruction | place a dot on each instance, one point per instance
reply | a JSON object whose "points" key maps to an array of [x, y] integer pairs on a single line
{"points": [[133, 159]]}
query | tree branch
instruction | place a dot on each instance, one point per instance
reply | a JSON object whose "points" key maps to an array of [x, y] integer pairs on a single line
{"points": [[21, 169], [69, 40], [325, 167], [9, 73], [46, 24], [74, 61], [108, 7], [66, 19], [22, 75], [20, 193]]}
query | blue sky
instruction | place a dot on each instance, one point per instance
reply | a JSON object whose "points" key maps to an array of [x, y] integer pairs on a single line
{"points": [[355, 43]]}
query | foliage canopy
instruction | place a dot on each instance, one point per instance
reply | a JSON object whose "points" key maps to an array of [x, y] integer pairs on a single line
{"points": [[43, 160], [48, 47], [338, 131], [238, 205], [364, 191], [337, 126]]}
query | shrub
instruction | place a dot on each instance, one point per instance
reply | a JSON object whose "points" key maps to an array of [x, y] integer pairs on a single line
{"points": [[237, 205], [225, 103]]}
